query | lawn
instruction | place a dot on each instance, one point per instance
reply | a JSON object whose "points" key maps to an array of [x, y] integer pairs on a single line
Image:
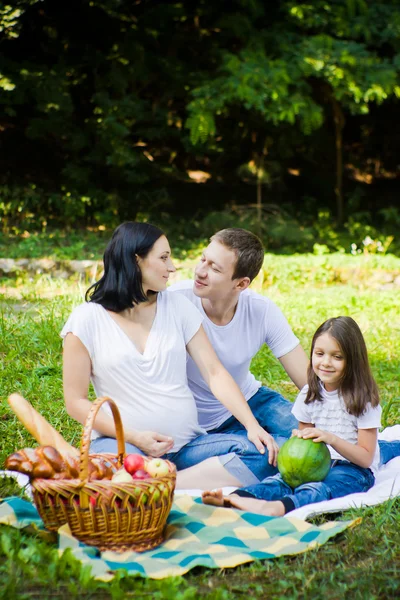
{"points": [[363, 562]]}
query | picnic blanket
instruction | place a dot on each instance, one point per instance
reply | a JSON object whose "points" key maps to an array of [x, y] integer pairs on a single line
{"points": [[196, 535], [199, 535]]}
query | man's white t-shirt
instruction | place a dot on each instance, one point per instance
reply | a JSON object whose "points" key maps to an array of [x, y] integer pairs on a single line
{"points": [[330, 414], [150, 389], [257, 321]]}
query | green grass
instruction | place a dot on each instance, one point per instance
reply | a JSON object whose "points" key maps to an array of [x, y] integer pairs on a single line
{"points": [[363, 562], [74, 244]]}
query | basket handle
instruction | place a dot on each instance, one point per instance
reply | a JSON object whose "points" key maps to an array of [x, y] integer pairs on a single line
{"points": [[87, 430]]}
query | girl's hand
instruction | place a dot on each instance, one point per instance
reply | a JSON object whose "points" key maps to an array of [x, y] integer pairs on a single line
{"points": [[318, 435], [261, 438], [152, 443]]}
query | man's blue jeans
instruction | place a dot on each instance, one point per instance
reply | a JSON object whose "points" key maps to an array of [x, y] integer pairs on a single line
{"points": [[228, 447], [274, 413], [344, 478]]}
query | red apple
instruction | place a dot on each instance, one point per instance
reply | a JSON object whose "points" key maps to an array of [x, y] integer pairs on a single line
{"points": [[133, 462], [157, 467], [140, 474]]}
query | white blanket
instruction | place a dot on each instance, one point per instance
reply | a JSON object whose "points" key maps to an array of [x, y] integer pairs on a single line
{"points": [[387, 486]]}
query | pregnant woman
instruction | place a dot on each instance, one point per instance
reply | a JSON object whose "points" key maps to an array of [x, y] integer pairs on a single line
{"points": [[129, 339]]}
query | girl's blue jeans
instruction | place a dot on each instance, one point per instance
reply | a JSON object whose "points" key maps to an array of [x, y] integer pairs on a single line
{"points": [[274, 413], [344, 478]]}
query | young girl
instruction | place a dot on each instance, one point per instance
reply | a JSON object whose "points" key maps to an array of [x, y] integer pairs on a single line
{"points": [[339, 406]]}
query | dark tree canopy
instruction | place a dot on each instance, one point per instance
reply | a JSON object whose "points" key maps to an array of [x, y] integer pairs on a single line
{"points": [[113, 108]]}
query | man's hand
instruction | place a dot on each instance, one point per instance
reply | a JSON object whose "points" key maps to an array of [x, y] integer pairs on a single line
{"points": [[318, 435], [152, 443], [261, 438]]}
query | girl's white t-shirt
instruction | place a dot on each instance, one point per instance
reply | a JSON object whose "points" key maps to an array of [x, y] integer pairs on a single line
{"points": [[257, 321], [330, 414], [150, 389]]}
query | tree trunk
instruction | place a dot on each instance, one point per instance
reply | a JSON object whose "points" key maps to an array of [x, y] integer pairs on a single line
{"points": [[259, 201], [339, 120]]}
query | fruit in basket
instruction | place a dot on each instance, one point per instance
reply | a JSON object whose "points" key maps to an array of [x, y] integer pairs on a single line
{"points": [[154, 493], [133, 462], [122, 476], [164, 489], [139, 496], [302, 460], [140, 474], [93, 499], [157, 467]]}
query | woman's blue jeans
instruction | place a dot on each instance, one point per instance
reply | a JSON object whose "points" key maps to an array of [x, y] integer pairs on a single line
{"points": [[344, 478]]}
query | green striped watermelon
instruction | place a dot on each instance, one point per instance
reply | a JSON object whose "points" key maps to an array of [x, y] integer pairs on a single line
{"points": [[301, 461]]}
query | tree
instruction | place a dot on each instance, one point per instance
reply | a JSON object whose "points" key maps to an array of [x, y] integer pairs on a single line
{"points": [[95, 97], [312, 60]]}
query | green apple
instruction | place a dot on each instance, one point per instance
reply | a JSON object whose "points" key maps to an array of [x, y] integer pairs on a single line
{"points": [[157, 467], [136, 494], [122, 476], [154, 493], [164, 489]]}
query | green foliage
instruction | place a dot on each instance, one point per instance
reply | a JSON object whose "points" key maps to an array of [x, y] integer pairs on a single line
{"points": [[107, 106], [278, 74], [281, 231], [56, 243]]}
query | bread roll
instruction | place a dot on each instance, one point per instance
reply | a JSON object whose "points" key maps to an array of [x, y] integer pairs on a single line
{"points": [[46, 462]]}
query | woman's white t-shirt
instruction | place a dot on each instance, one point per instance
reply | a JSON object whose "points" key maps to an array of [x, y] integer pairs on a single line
{"points": [[150, 389], [330, 414]]}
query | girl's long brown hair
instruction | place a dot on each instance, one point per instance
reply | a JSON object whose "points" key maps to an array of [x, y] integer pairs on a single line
{"points": [[357, 386]]}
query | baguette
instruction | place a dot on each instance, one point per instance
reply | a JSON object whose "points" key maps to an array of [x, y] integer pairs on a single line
{"points": [[38, 427]]}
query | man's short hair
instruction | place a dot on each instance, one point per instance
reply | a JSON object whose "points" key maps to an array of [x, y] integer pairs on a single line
{"points": [[247, 247]]}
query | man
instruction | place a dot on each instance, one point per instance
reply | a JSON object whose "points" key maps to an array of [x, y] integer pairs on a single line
{"points": [[238, 321]]}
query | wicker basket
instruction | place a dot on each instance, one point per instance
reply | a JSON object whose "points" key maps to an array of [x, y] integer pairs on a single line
{"points": [[110, 515], [52, 496]]}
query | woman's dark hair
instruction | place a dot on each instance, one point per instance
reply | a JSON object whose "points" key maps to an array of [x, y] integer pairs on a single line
{"points": [[357, 386], [120, 287]]}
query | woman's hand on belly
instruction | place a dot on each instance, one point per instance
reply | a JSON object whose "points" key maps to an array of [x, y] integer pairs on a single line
{"points": [[150, 442]]}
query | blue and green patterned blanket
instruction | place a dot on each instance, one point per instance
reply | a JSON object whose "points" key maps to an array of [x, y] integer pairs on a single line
{"points": [[197, 535]]}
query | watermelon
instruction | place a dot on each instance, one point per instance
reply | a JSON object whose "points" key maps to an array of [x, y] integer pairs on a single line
{"points": [[301, 461]]}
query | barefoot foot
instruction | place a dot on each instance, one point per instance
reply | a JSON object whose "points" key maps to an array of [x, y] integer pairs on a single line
{"points": [[214, 497], [261, 507]]}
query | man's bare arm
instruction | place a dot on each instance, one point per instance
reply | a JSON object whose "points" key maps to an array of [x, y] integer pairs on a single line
{"points": [[295, 364]]}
